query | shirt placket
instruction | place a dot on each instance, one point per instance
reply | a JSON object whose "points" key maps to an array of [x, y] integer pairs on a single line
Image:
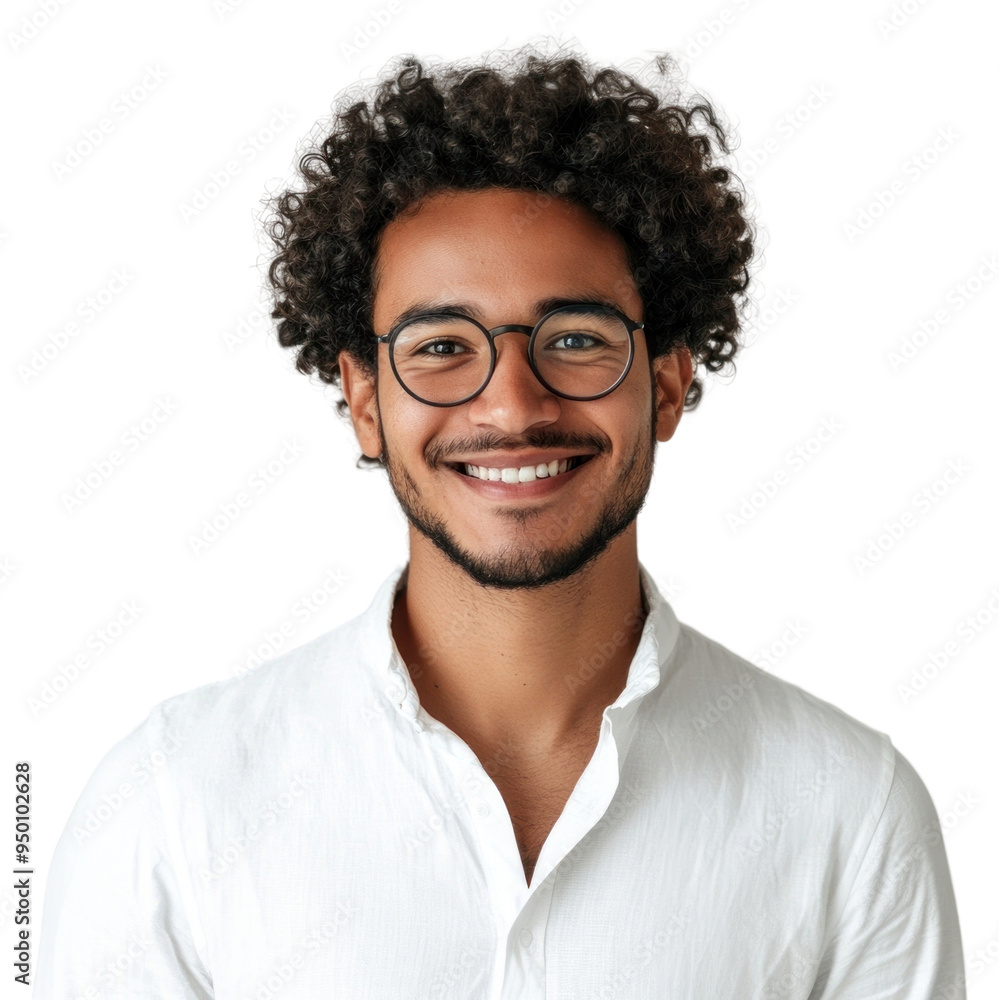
{"points": [[520, 911]]}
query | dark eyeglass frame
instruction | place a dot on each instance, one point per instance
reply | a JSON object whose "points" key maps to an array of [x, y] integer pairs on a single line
{"points": [[490, 335]]}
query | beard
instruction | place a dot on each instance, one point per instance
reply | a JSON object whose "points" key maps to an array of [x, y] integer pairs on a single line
{"points": [[515, 567]]}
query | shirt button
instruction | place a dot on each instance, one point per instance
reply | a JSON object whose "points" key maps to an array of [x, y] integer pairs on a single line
{"points": [[526, 937], [482, 809]]}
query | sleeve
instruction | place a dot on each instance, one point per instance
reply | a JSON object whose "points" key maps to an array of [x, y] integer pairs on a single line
{"points": [[897, 937], [114, 921]]}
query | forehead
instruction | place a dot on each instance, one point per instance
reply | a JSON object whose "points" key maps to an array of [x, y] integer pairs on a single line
{"points": [[500, 246]]}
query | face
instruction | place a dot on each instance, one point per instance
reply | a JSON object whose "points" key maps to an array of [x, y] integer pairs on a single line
{"points": [[502, 252]]}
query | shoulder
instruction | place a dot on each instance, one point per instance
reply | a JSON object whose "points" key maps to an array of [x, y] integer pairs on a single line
{"points": [[313, 678], [219, 732], [772, 732], [783, 766]]}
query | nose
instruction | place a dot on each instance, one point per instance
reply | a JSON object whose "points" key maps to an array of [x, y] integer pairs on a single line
{"points": [[514, 399]]}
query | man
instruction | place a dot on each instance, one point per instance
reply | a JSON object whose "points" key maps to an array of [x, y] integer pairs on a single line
{"points": [[516, 774]]}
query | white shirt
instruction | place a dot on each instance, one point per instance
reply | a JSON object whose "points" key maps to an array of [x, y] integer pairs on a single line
{"points": [[309, 831]]}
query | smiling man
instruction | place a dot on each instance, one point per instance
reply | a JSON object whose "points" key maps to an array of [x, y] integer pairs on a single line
{"points": [[522, 502], [516, 774]]}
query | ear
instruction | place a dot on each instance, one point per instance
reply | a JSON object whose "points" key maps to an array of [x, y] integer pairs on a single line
{"points": [[360, 390], [672, 374]]}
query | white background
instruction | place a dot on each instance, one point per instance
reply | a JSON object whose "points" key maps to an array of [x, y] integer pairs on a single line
{"points": [[241, 83]]}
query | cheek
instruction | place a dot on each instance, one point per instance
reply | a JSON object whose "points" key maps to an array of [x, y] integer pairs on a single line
{"points": [[409, 430], [631, 407]]}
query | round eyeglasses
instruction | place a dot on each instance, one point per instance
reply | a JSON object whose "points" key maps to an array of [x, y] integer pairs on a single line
{"points": [[580, 351]]}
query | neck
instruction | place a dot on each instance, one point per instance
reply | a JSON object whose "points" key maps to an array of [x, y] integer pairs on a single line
{"points": [[527, 669]]}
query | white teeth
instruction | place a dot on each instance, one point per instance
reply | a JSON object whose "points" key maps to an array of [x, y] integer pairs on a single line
{"points": [[524, 474]]}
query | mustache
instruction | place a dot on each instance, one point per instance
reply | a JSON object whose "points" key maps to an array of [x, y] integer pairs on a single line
{"points": [[438, 454]]}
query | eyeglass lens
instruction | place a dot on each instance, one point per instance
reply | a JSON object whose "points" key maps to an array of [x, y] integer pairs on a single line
{"points": [[443, 359]]}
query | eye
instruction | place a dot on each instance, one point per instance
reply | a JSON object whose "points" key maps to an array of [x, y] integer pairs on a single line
{"points": [[575, 335], [430, 348]]}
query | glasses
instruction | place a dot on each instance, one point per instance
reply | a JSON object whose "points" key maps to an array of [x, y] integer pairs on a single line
{"points": [[579, 351]]}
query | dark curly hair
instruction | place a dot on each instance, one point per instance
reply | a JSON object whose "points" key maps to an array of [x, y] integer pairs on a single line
{"points": [[551, 124]]}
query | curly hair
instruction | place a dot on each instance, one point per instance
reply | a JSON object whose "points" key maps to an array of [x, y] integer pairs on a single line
{"points": [[553, 124]]}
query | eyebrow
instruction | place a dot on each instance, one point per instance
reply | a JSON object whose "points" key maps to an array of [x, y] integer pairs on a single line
{"points": [[541, 307]]}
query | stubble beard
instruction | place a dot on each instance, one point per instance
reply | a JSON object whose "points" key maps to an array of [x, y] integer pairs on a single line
{"points": [[516, 567]]}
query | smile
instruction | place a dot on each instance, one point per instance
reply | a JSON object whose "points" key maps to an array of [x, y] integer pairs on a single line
{"points": [[529, 485], [521, 474]]}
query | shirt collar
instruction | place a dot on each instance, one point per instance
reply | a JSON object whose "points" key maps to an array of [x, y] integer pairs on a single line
{"points": [[656, 644]]}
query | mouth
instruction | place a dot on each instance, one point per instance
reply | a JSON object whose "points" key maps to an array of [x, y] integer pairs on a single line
{"points": [[523, 474]]}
